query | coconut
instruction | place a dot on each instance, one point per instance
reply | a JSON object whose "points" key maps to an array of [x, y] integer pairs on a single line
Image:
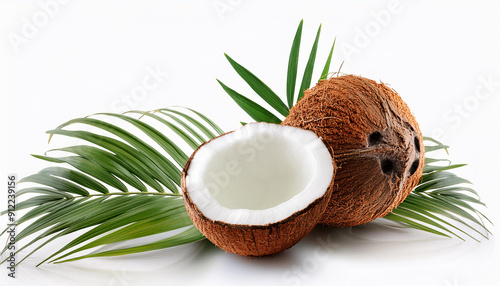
{"points": [[259, 189], [377, 143]]}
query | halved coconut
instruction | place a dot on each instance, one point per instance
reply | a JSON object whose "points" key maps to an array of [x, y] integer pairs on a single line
{"points": [[260, 189]]}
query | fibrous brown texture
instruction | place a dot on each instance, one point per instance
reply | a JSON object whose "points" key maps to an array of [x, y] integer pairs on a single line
{"points": [[256, 240], [377, 143]]}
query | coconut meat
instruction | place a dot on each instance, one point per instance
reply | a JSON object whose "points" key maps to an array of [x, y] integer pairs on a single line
{"points": [[259, 174]]}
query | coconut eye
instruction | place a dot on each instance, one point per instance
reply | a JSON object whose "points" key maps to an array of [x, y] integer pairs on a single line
{"points": [[417, 145], [414, 166], [374, 138], [387, 166]]}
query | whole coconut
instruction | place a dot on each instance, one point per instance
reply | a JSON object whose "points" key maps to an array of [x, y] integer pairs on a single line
{"points": [[376, 140]]}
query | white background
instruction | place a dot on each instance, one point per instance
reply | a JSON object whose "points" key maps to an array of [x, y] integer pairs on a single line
{"points": [[88, 56]]}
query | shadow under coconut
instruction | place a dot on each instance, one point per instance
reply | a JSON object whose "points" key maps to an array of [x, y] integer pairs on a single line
{"points": [[370, 239], [322, 241], [378, 240], [274, 262]]}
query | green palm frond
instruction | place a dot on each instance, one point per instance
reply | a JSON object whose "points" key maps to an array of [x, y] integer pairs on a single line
{"points": [[260, 88], [307, 78], [257, 112], [439, 201], [117, 185], [293, 62]]}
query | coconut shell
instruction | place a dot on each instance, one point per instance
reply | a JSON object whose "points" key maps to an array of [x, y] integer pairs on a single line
{"points": [[256, 240], [377, 142]]}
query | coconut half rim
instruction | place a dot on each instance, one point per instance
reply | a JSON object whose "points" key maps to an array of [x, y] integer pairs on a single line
{"points": [[259, 174]]}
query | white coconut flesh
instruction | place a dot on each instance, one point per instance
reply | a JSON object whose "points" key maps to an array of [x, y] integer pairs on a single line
{"points": [[259, 174]]}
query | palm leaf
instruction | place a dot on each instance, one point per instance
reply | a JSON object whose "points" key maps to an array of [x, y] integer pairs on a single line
{"points": [[307, 78], [188, 236], [293, 63], [326, 69], [208, 121], [257, 112], [259, 87], [118, 188]]}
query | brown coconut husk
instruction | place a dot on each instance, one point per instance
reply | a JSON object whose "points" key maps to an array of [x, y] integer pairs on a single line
{"points": [[256, 240], [377, 142]]}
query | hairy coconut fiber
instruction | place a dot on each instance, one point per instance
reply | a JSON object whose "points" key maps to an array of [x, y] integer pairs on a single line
{"points": [[256, 240], [377, 143]]}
